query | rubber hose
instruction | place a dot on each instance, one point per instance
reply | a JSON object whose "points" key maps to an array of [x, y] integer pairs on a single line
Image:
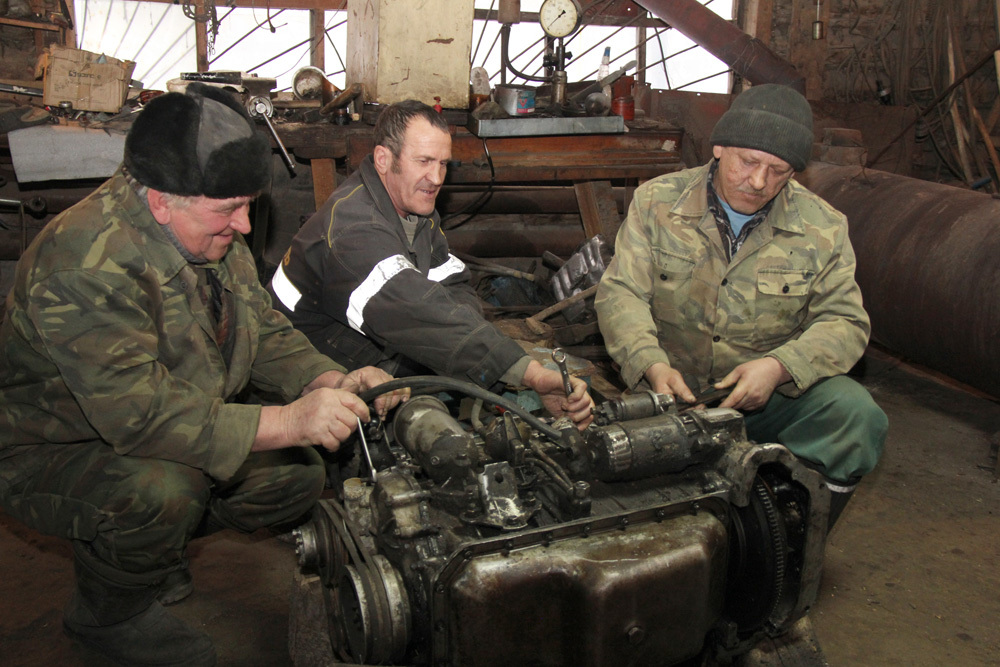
{"points": [[468, 388]]}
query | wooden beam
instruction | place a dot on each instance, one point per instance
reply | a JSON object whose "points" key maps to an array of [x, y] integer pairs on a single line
{"points": [[598, 209], [317, 33], [324, 175], [757, 16], [200, 39], [35, 25], [807, 54], [480, 15], [319, 5]]}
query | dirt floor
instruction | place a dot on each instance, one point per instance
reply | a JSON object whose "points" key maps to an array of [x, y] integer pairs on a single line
{"points": [[911, 574]]}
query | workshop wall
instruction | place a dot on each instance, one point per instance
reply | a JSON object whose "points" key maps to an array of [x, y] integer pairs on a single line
{"points": [[898, 53], [25, 29]]}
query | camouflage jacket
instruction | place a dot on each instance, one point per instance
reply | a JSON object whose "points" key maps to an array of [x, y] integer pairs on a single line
{"points": [[789, 292], [106, 339]]}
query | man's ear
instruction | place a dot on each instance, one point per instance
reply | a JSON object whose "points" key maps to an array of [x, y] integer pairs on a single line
{"points": [[158, 206], [717, 151], [383, 160]]}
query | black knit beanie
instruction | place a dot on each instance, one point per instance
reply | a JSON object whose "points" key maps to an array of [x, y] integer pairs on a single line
{"points": [[772, 118], [199, 142]]}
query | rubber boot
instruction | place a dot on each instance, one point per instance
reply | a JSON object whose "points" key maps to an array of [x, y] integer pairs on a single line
{"points": [[838, 501], [177, 586], [124, 622]]}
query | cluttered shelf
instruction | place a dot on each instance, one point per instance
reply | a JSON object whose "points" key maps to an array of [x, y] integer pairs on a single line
{"points": [[648, 149]]}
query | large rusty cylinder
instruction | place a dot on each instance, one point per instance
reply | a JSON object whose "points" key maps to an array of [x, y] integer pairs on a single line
{"points": [[928, 267], [432, 436], [747, 55]]}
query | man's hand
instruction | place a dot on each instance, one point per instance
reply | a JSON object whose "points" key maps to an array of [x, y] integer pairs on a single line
{"points": [[754, 382], [367, 377], [358, 381], [666, 380], [548, 385], [323, 417]]}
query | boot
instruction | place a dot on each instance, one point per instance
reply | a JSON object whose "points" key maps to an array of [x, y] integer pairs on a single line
{"points": [[177, 586], [839, 495], [124, 622]]}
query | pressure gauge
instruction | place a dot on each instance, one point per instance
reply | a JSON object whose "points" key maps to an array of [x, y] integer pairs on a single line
{"points": [[559, 18]]}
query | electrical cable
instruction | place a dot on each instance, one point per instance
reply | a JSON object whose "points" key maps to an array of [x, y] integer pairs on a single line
{"points": [[477, 204]]}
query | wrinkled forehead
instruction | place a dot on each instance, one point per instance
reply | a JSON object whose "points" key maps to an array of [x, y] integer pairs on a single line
{"points": [[761, 157], [424, 140]]}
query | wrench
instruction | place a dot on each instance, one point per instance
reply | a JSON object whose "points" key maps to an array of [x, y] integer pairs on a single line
{"points": [[559, 357]]}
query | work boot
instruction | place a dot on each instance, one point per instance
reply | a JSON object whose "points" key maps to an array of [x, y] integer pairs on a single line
{"points": [[177, 586], [124, 622], [839, 495]]}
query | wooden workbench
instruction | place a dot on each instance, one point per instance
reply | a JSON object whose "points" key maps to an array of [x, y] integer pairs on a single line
{"points": [[589, 162]]}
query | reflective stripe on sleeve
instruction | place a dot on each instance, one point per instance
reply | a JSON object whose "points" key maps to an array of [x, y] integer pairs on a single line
{"points": [[451, 266], [370, 286], [286, 291]]}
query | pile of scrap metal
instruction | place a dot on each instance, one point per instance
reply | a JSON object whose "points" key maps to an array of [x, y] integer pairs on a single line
{"points": [[659, 536], [570, 321]]}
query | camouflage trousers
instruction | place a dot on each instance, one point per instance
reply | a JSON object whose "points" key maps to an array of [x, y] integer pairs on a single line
{"points": [[835, 426], [136, 515]]}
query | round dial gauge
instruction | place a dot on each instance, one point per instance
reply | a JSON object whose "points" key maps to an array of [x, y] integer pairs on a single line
{"points": [[559, 18]]}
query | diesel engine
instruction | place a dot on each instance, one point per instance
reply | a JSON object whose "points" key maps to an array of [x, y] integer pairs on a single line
{"points": [[483, 535]]}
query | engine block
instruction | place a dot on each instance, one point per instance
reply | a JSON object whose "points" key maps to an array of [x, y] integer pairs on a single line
{"points": [[655, 537]]}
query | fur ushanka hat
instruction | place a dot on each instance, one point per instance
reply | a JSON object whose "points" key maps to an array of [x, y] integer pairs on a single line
{"points": [[199, 142]]}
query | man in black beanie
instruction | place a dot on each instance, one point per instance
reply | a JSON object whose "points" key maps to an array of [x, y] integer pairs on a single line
{"points": [[135, 321], [733, 277]]}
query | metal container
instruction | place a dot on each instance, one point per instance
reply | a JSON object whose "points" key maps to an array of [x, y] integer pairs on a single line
{"points": [[515, 100]]}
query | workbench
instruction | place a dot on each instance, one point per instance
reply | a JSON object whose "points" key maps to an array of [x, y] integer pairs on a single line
{"points": [[589, 162]]}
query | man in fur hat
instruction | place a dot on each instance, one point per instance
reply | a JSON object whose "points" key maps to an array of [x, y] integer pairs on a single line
{"points": [[135, 321], [732, 276]]}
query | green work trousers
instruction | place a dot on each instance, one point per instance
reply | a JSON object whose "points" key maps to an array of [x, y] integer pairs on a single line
{"points": [[136, 515], [835, 426]]}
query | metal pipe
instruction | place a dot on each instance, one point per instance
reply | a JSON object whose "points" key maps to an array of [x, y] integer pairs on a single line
{"points": [[748, 56], [927, 266]]}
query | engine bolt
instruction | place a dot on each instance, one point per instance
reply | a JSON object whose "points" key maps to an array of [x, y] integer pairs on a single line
{"points": [[636, 635]]}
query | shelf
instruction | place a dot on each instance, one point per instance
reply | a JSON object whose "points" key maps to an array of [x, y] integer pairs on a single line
{"points": [[37, 25]]}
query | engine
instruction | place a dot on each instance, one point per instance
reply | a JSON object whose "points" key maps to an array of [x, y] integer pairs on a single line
{"points": [[482, 535]]}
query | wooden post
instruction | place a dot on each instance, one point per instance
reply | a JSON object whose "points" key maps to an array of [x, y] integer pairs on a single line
{"points": [[598, 209], [808, 54], [201, 38], [317, 33]]}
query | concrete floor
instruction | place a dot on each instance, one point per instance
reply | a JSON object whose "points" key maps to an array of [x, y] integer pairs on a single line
{"points": [[911, 574]]}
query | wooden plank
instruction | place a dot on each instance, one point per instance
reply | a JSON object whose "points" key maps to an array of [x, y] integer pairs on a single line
{"points": [[961, 133], [35, 25], [757, 19], [996, 66], [200, 39], [317, 33], [978, 123], [598, 209], [324, 174], [807, 54]]}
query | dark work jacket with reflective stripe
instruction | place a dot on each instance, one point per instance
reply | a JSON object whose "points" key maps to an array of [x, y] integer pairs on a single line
{"points": [[410, 323]]}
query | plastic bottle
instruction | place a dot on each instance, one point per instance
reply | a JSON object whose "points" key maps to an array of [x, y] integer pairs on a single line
{"points": [[605, 69]]}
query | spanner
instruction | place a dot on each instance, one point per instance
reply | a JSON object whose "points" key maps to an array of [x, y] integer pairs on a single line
{"points": [[559, 357]]}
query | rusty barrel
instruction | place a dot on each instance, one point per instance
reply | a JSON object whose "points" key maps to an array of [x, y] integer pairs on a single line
{"points": [[928, 266]]}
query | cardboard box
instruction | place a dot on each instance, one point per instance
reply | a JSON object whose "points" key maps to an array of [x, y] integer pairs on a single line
{"points": [[89, 81]]}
